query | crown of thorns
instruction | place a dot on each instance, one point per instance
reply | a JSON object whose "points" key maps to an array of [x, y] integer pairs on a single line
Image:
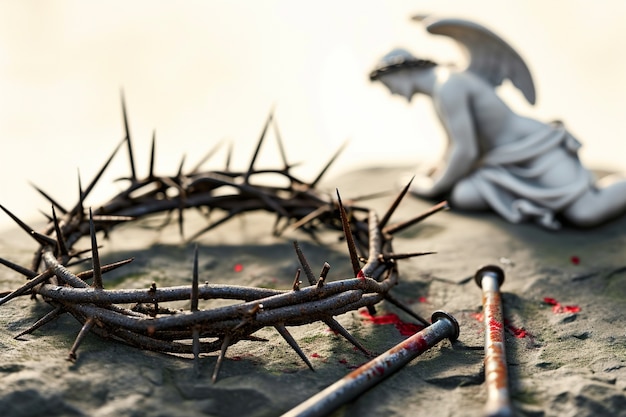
{"points": [[399, 63], [151, 326]]}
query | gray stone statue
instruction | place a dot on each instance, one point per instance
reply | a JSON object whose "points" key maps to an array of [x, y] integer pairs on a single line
{"points": [[519, 167]]}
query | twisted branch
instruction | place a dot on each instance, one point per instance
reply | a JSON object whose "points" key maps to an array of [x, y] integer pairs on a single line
{"points": [[149, 325]]}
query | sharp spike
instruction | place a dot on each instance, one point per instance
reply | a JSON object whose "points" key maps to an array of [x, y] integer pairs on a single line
{"points": [[180, 167], [328, 164], [281, 147], [152, 155], [229, 155], [50, 316], [80, 208], [406, 309], [258, 146], [294, 345], [44, 276], [128, 140], [220, 358], [323, 275], [305, 264], [354, 258], [106, 268], [50, 199], [383, 222], [338, 328], [206, 157], [18, 268], [391, 229], [92, 184], [394, 256], [60, 240], [95, 256], [81, 336], [41, 239], [296, 281]]}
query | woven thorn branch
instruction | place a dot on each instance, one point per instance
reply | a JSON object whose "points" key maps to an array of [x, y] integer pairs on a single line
{"points": [[151, 326]]}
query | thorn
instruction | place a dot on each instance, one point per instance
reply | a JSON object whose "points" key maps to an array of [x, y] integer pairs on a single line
{"points": [[229, 155], [258, 147], [354, 258], [152, 155], [391, 229], [220, 358], [41, 239], [50, 199], [383, 222], [406, 309], [44, 276], [50, 316], [296, 281], [336, 327], [305, 264], [128, 140], [281, 148], [18, 268], [80, 208], [328, 164], [394, 256], [106, 268], [60, 241], [81, 336], [180, 167], [92, 184], [323, 274], [95, 256], [206, 157], [294, 345]]}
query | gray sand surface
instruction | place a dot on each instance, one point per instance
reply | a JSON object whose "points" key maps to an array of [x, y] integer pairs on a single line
{"points": [[560, 363]]}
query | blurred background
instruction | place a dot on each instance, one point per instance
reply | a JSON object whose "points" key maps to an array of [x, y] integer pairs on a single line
{"points": [[198, 72]]}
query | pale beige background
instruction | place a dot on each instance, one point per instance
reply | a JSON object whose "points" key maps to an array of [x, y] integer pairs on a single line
{"points": [[202, 71]]}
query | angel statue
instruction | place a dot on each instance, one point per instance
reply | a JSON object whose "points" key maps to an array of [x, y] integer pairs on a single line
{"points": [[523, 169]]}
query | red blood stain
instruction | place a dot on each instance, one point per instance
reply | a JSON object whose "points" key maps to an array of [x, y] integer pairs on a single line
{"points": [[343, 361], [238, 268], [575, 259], [495, 325], [315, 355], [518, 332], [405, 328], [422, 300], [558, 308], [478, 316], [361, 275]]}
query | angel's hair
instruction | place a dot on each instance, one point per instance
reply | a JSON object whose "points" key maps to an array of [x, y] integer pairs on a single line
{"points": [[396, 60]]}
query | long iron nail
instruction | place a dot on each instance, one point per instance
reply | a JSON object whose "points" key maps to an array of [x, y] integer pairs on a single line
{"points": [[356, 382], [490, 278]]}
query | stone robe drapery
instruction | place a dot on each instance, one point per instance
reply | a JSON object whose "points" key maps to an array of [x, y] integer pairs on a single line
{"points": [[519, 180]]}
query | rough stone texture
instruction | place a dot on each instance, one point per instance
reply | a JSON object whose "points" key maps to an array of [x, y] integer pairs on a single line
{"points": [[566, 364]]}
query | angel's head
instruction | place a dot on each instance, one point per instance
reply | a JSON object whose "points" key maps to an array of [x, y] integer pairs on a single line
{"points": [[396, 71]]}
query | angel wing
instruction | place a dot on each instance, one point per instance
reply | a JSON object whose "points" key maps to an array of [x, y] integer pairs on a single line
{"points": [[490, 57]]}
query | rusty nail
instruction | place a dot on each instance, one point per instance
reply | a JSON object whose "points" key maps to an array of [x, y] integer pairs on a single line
{"points": [[489, 278], [443, 326]]}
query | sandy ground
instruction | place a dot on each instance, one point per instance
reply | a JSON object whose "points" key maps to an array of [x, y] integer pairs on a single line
{"points": [[564, 301]]}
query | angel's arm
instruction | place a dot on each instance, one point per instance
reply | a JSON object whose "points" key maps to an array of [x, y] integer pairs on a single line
{"points": [[452, 104]]}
